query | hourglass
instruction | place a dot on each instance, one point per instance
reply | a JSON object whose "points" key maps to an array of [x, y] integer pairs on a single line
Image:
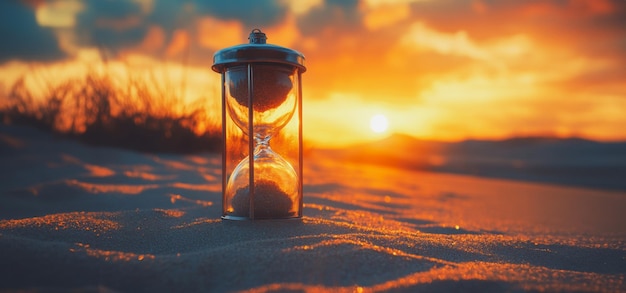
{"points": [[262, 130]]}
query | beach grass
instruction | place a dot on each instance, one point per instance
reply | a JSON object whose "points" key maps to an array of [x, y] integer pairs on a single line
{"points": [[137, 114]]}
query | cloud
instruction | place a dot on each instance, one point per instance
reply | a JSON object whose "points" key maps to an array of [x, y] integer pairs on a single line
{"points": [[215, 33], [53, 30], [377, 3], [22, 38], [180, 41], [248, 12], [385, 15], [338, 15], [302, 6], [110, 24], [458, 43], [500, 53], [59, 14], [154, 39]]}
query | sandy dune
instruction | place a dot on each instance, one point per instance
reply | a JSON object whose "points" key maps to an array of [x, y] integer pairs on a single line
{"points": [[83, 218]]}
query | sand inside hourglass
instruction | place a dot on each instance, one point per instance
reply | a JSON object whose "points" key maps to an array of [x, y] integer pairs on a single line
{"points": [[271, 87], [269, 201]]}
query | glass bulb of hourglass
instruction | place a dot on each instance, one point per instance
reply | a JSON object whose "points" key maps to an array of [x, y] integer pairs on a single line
{"points": [[274, 190], [273, 98], [274, 101]]}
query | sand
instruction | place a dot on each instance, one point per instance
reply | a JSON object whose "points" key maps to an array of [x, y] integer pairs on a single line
{"points": [[90, 219]]}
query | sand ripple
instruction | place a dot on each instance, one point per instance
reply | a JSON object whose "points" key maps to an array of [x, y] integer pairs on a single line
{"points": [[122, 221]]}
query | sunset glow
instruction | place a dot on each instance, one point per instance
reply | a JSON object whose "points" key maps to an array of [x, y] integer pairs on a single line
{"points": [[379, 123], [444, 70]]}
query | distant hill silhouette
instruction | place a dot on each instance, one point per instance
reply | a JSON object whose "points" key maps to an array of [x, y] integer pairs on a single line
{"points": [[571, 161]]}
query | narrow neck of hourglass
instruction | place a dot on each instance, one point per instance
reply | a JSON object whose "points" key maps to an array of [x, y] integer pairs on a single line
{"points": [[262, 139], [262, 145]]}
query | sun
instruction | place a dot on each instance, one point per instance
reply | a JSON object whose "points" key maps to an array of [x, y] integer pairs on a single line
{"points": [[379, 123]]}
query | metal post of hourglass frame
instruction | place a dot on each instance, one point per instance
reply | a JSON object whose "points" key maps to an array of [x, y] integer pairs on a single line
{"points": [[250, 142], [300, 178], [261, 99], [223, 85]]}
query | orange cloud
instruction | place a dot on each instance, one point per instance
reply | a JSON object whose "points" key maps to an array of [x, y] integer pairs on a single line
{"points": [[302, 6], [216, 34], [119, 24], [479, 6], [180, 41], [386, 15], [61, 14], [378, 3], [571, 8], [154, 39], [423, 37], [285, 34]]}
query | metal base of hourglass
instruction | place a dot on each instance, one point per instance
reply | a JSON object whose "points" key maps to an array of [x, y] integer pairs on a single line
{"points": [[275, 186]]}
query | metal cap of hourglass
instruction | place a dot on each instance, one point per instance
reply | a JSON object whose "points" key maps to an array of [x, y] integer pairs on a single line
{"points": [[257, 51], [260, 93]]}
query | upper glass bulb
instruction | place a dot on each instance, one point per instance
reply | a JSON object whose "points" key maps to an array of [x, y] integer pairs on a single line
{"points": [[273, 98]]}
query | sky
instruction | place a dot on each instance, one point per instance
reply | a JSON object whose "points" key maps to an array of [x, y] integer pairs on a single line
{"points": [[435, 69]]}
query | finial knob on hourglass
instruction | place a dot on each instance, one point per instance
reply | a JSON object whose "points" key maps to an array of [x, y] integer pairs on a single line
{"points": [[257, 37]]}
